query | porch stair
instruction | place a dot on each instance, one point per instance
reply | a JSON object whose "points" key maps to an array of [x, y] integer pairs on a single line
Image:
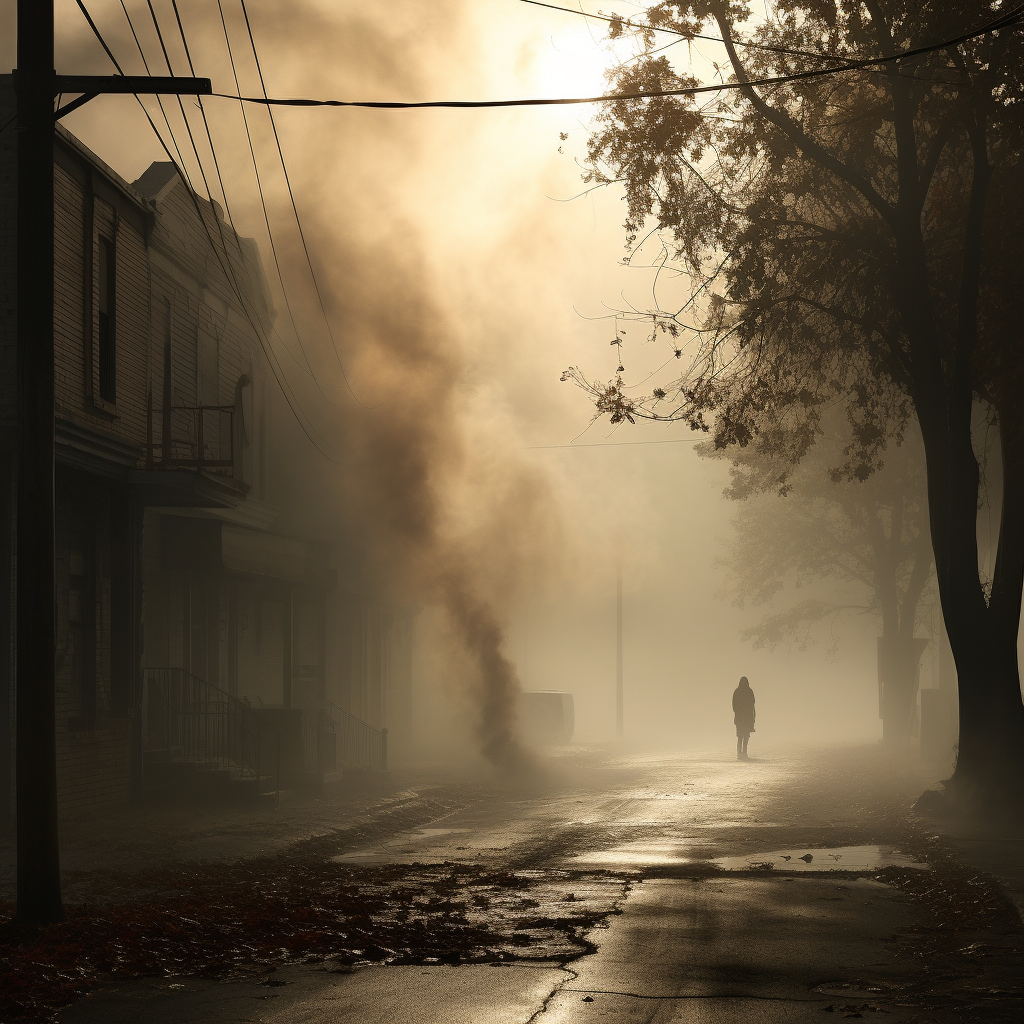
{"points": [[201, 745]]}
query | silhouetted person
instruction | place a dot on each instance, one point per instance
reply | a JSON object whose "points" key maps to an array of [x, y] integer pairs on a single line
{"points": [[743, 712]]}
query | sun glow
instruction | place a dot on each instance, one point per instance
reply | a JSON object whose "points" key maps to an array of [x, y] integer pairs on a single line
{"points": [[572, 62]]}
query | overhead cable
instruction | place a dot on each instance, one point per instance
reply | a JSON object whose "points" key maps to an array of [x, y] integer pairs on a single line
{"points": [[615, 444], [1005, 21], [226, 262], [627, 23], [266, 215], [206, 125], [308, 368], [145, 64], [291, 196], [279, 376]]}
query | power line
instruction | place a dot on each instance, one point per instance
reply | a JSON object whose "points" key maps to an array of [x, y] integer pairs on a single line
{"points": [[266, 213], [229, 268], [291, 196], [679, 32], [209, 134], [1005, 21], [145, 64], [184, 117], [279, 375], [227, 205], [180, 165], [614, 444], [209, 137]]}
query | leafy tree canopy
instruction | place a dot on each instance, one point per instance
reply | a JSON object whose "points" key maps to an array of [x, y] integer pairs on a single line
{"points": [[782, 204]]}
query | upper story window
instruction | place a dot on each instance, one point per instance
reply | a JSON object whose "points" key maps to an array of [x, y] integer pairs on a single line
{"points": [[107, 274], [208, 368]]}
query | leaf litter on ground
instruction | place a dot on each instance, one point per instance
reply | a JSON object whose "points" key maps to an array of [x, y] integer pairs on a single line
{"points": [[226, 920]]}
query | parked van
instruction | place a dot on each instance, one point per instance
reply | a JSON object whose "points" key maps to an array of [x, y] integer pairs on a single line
{"points": [[547, 716]]}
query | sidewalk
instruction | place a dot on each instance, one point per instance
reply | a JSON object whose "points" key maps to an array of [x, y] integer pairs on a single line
{"points": [[998, 851], [151, 837]]}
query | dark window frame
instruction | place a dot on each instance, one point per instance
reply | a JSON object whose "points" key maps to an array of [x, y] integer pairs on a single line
{"points": [[106, 341]]}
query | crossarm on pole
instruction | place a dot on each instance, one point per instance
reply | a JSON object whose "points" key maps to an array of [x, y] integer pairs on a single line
{"points": [[91, 86]]}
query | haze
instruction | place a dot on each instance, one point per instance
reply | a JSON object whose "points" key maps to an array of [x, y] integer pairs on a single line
{"points": [[522, 277]]}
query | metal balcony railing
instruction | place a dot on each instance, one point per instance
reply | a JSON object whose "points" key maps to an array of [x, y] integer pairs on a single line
{"points": [[192, 437], [190, 721]]}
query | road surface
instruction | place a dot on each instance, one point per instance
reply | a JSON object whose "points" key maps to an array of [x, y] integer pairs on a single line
{"points": [[766, 891]]}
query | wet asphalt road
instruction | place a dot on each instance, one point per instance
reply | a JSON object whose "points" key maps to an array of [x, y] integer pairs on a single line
{"points": [[641, 811], [705, 930]]}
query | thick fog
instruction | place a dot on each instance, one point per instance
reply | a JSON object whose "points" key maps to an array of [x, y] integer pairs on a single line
{"points": [[464, 265]]}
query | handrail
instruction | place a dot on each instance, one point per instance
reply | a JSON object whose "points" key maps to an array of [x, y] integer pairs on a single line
{"points": [[188, 720], [319, 741], [360, 745]]}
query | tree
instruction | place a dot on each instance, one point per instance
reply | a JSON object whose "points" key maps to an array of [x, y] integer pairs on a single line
{"points": [[850, 214], [867, 538]]}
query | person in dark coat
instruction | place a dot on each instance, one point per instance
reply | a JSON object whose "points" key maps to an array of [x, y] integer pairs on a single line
{"points": [[743, 716]]}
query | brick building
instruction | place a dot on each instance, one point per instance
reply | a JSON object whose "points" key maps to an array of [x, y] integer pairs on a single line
{"points": [[198, 650]]}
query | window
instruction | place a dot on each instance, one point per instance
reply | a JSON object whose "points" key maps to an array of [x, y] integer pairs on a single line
{"points": [[209, 364], [108, 296]]}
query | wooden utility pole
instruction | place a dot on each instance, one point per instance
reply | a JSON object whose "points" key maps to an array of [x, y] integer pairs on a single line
{"points": [[618, 649], [37, 84], [39, 898]]}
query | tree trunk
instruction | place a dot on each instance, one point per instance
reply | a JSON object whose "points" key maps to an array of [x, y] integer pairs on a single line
{"points": [[983, 638], [991, 756], [898, 661]]}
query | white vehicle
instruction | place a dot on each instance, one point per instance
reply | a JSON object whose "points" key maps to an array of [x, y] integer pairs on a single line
{"points": [[547, 716]]}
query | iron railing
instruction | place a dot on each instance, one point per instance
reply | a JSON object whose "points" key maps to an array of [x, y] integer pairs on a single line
{"points": [[358, 744], [188, 720], [319, 741], [192, 437]]}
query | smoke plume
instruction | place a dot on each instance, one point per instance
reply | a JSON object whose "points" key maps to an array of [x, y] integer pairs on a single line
{"points": [[427, 504]]}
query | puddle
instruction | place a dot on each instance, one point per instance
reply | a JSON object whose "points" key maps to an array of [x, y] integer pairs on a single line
{"points": [[635, 855], [640, 854], [838, 858]]}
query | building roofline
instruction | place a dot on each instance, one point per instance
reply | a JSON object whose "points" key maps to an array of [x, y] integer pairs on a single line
{"points": [[76, 146], [81, 150]]}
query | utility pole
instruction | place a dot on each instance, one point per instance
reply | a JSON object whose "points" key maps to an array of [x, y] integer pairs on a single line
{"points": [[37, 84], [618, 648], [39, 898]]}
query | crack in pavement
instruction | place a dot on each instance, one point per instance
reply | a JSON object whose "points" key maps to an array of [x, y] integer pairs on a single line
{"points": [[543, 1008], [715, 995]]}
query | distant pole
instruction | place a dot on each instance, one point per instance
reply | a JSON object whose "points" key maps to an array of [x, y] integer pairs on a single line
{"points": [[39, 895], [618, 649]]}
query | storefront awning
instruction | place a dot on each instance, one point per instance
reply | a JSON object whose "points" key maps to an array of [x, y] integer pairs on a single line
{"points": [[211, 545]]}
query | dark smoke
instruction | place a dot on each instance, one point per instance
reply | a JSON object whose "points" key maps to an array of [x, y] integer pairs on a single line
{"points": [[426, 506]]}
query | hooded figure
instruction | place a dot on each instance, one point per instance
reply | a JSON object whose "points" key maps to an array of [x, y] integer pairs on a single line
{"points": [[743, 712]]}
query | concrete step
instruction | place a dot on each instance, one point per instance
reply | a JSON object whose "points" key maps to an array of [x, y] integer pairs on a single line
{"points": [[204, 783]]}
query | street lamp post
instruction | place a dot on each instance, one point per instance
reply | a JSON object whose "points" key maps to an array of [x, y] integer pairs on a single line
{"points": [[618, 649]]}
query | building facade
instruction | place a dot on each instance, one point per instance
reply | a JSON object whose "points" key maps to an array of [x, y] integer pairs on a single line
{"points": [[198, 649]]}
